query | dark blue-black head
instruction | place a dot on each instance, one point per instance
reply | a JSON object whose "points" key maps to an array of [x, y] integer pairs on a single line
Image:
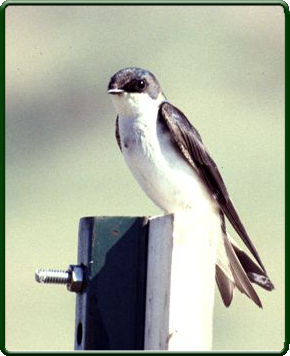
{"points": [[134, 80]]}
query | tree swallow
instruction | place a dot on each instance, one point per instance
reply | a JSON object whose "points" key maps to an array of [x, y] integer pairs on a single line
{"points": [[166, 155]]}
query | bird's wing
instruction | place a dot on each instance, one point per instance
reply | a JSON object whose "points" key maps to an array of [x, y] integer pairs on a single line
{"points": [[189, 142], [117, 134]]}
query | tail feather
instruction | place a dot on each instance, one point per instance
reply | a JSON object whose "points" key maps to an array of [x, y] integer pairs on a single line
{"points": [[239, 277], [225, 285], [234, 267]]}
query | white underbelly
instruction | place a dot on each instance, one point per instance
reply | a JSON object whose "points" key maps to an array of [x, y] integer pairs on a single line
{"points": [[161, 171]]}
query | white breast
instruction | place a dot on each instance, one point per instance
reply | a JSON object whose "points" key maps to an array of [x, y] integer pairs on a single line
{"points": [[156, 164]]}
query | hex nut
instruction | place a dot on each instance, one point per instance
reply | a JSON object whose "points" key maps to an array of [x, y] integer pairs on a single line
{"points": [[77, 278]]}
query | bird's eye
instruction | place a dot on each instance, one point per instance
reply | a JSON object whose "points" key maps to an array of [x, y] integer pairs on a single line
{"points": [[141, 84], [135, 86]]}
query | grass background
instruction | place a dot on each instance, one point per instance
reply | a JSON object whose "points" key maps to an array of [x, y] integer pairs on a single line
{"points": [[223, 66]]}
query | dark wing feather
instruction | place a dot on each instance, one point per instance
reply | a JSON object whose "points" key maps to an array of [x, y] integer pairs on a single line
{"points": [[254, 272], [190, 144], [117, 134]]}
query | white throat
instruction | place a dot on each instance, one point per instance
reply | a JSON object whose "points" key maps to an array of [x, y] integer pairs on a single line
{"points": [[135, 104]]}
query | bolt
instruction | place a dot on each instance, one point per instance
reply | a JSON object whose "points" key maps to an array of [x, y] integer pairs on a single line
{"points": [[73, 277], [53, 276]]}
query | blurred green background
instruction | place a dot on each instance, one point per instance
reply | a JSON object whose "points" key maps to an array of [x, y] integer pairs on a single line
{"points": [[223, 66]]}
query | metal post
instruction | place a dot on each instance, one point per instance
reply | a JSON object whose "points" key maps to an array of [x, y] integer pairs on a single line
{"points": [[142, 283], [110, 312]]}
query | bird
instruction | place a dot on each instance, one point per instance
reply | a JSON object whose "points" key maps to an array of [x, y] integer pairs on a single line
{"points": [[166, 155]]}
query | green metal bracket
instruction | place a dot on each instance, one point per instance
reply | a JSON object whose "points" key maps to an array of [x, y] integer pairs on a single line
{"points": [[110, 311]]}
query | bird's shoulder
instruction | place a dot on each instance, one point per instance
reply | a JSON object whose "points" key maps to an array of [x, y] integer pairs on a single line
{"points": [[175, 118]]}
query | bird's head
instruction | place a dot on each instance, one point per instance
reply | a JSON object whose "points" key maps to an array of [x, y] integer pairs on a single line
{"points": [[134, 89]]}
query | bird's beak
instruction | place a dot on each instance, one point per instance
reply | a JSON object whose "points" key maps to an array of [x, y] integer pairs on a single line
{"points": [[115, 91]]}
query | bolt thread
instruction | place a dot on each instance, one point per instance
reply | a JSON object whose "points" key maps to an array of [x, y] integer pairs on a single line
{"points": [[52, 276]]}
